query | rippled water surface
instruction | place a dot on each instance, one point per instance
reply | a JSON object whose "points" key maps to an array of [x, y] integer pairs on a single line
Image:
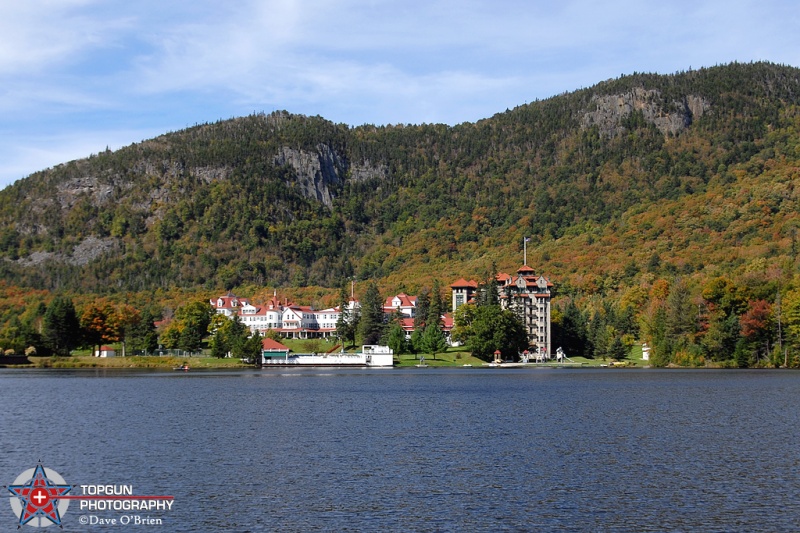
{"points": [[419, 450]]}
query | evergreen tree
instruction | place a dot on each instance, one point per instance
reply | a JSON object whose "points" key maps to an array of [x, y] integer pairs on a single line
{"points": [[422, 309], [237, 336], [681, 313], [347, 322], [488, 291], [742, 355], [661, 347], [371, 325], [415, 344], [597, 336], [437, 306], [219, 348], [721, 336], [251, 349], [396, 338], [142, 335], [433, 340], [60, 327], [618, 351], [571, 333]]}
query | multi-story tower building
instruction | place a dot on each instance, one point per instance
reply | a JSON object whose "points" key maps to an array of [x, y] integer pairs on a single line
{"points": [[528, 295], [463, 292]]}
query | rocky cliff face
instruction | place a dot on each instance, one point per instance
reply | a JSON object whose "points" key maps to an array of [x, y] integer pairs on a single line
{"points": [[316, 171], [76, 188], [367, 170], [320, 172], [670, 120]]}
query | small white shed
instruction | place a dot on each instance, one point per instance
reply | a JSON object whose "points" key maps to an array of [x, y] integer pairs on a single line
{"points": [[105, 351]]}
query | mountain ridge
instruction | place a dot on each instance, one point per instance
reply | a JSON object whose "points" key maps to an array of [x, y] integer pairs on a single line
{"points": [[290, 200]]}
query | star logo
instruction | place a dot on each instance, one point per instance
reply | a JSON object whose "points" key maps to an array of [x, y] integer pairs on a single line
{"points": [[36, 497]]}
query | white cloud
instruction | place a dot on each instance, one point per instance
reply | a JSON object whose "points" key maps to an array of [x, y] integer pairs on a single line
{"points": [[41, 34], [102, 65], [22, 155]]}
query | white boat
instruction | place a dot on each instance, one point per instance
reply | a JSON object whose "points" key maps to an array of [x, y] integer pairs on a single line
{"points": [[371, 355]]}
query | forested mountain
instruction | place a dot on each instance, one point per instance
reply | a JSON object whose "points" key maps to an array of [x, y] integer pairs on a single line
{"points": [[686, 178]]}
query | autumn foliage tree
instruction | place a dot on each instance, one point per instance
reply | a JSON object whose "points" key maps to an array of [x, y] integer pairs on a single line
{"points": [[100, 325], [188, 327], [756, 325]]}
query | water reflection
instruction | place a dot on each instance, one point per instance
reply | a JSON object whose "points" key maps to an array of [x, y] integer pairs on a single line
{"points": [[442, 450]]}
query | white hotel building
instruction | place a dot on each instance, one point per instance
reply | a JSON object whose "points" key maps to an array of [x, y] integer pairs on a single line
{"points": [[290, 320]]}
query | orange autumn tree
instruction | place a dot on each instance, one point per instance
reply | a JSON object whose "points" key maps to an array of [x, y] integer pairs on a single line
{"points": [[99, 324], [756, 327]]}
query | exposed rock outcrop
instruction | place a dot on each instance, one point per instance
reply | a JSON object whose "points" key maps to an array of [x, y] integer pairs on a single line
{"points": [[367, 171], [87, 251], [209, 174], [70, 191], [316, 171], [611, 110]]}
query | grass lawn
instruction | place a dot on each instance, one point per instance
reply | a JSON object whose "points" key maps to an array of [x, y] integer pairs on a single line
{"points": [[81, 361], [310, 345], [460, 357], [453, 357]]}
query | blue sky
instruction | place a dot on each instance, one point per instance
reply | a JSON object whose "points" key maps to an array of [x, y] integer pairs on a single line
{"points": [[77, 76]]}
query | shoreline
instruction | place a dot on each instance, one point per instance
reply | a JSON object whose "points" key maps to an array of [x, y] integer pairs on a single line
{"points": [[211, 363], [126, 363]]}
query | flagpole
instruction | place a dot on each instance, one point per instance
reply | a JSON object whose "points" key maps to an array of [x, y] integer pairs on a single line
{"points": [[525, 247]]}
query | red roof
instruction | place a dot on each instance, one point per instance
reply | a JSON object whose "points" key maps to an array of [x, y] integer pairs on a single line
{"points": [[228, 301], [462, 283], [448, 321], [405, 301], [273, 345]]}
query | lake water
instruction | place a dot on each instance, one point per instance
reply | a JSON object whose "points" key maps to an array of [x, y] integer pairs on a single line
{"points": [[417, 449]]}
